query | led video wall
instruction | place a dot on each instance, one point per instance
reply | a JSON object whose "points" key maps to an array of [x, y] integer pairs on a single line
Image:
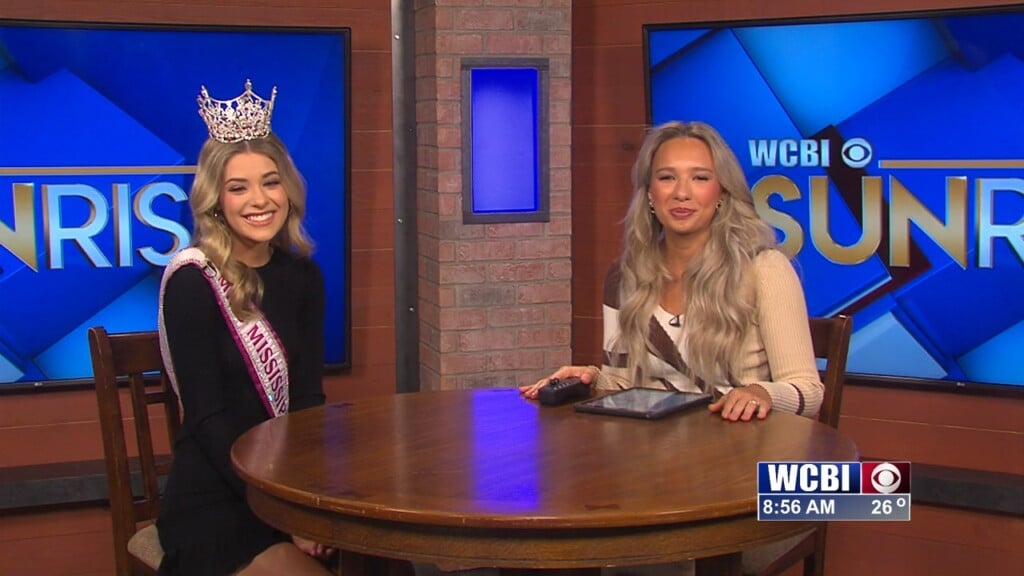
{"points": [[889, 155], [99, 137]]}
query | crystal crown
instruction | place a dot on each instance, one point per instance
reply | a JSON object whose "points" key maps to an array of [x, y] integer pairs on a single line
{"points": [[246, 117]]}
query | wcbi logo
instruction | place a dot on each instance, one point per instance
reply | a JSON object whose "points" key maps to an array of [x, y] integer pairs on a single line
{"points": [[807, 153], [833, 477]]}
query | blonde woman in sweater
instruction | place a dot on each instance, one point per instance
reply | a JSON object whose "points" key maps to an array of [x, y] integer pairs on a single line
{"points": [[700, 299]]}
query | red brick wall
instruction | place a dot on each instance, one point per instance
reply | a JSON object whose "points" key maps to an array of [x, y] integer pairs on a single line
{"points": [[495, 305]]}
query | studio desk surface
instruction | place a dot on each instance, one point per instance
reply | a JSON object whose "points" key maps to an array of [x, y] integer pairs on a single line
{"points": [[485, 477]]}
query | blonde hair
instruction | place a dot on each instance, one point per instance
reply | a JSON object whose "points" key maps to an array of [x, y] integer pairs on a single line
{"points": [[719, 308], [212, 234]]}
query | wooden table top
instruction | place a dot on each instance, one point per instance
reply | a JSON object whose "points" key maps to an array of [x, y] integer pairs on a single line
{"points": [[492, 459]]}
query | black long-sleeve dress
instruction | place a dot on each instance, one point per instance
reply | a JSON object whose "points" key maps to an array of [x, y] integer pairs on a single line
{"points": [[205, 524]]}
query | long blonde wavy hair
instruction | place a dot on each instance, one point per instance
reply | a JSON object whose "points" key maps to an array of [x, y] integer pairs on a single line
{"points": [[212, 234], [719, 308]]}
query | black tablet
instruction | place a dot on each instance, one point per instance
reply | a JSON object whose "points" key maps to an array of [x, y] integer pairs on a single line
{"points": [[643, 403]]}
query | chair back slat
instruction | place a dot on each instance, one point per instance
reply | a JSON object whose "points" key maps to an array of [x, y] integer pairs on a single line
{"points": [[831, 339], [172, 411], [144, 437], [134, 359]]}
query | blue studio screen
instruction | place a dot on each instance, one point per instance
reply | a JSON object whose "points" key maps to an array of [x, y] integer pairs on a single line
{"points": [[99, 137], [889, 155]]}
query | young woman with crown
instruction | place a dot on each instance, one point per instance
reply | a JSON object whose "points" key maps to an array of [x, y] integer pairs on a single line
{"points": [[241, 332]]}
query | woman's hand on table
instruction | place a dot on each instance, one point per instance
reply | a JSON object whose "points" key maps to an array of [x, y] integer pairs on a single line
{"points": [[588, 374], [744, 403], [314, 549]]}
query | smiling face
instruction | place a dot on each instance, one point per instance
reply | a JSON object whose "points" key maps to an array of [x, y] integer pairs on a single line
{"points": [[255, 205], [684, 188]]}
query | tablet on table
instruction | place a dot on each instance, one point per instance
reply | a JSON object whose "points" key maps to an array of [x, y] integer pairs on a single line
{"points": [[643, 403]]}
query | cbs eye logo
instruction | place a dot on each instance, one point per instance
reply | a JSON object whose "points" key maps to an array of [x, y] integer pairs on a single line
{"points": [[885, 477], [857, 152]]}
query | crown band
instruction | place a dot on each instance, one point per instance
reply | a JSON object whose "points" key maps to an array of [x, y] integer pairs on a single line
{"points": [[246, 117]]}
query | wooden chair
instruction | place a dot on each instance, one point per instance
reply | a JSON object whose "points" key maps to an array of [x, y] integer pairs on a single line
{"points": [[831, 339], [134, 358]]}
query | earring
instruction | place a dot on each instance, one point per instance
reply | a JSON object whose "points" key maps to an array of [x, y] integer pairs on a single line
{"points": [[719, 205], [651, 204]]}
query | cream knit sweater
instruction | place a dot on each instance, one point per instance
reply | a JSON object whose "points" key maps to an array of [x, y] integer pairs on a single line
{"points": [[777, 352]]}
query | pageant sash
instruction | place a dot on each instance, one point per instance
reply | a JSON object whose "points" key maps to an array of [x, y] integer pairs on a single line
{"points": [[260, 347]]}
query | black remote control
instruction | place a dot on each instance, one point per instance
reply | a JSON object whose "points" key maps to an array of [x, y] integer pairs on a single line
{"points": [[561, 391]]}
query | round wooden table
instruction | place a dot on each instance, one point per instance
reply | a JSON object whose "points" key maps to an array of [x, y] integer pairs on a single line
{"points": [[487, 478]]}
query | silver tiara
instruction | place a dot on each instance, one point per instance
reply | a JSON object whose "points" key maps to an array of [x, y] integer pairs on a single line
{"points": [[246, 117]]}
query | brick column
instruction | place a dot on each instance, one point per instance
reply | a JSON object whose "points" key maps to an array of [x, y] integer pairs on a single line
{"points": [[495, 299]]}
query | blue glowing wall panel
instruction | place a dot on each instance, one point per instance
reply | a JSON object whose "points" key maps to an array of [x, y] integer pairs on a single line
{"points": [[506, 164], [920, 106], [84, 231]]}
